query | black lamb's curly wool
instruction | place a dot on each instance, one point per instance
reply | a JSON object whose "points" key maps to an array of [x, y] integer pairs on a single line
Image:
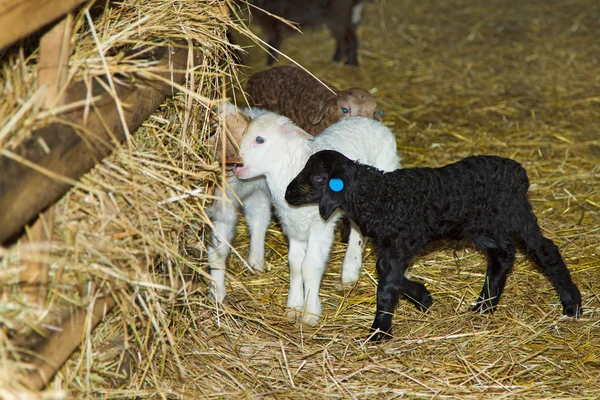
{"points": [[481, 198]]}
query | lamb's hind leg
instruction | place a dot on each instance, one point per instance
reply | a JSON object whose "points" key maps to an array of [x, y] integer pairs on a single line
{"points": [[546, 254], [415, 292], [500, 262], [257, 210]]}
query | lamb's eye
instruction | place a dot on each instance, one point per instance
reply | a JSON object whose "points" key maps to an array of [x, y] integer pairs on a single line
{"points": [[260, 139], [345, 110], [319, 178]]}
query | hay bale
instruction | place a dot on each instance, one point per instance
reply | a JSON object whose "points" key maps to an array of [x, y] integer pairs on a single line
{"points": [[98, 214]]}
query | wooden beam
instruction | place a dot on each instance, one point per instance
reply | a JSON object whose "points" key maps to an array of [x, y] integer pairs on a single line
{"points": [[58, 345], [34, 176], [19, 18]]}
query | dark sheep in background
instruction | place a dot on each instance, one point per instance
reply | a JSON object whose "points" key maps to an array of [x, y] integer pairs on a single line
{"points": [[341, 17], [481, 198], [294, 93]]}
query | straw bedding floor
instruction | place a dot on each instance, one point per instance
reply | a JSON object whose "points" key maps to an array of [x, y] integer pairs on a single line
{"points": [[455, 78]]}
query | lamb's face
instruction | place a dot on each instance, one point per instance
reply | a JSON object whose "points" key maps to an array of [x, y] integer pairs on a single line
{"points": [[256, 148], [322, 181], [308, 186], [264, 146], [357, 102]]}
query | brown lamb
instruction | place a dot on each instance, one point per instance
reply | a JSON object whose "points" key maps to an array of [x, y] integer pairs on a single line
{"points": [[294, 93]]}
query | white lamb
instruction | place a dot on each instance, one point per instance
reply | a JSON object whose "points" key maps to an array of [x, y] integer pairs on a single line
{"points": [[255, 197], [252, 193], [274, 147]]}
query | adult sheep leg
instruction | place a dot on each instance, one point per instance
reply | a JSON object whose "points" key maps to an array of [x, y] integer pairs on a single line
{"points": [[343, 29], [274, 31], [346, 45], [313, 268], [353, 258], [224, 217]]}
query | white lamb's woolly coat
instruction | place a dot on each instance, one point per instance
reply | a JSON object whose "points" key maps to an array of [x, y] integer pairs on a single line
{"points": [[358, 138], [280, 156]]}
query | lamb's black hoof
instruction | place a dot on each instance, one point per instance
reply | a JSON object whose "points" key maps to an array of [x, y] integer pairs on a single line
{"points": [[484, 307], [572, 310], [380, 336], [423, 303], [417, 294], [571, 302]]}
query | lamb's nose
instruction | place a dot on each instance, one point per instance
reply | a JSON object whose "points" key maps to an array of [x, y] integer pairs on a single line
{"points": [[237, 167], [289, 194]]}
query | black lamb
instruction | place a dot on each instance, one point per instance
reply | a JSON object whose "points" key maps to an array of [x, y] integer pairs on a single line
{"points": [[481, 198]]}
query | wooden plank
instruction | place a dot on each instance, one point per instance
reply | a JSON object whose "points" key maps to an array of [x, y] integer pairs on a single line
{"points": [[19, 18], [33, 278], [53, 66], [59, 344], [33, 177], [55, 48]]}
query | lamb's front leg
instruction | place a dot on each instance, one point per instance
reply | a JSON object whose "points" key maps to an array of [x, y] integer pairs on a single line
{"points": [[224, 217], [390, 286], [352, 264], [313, 268], [257, 210], [296, 255]]}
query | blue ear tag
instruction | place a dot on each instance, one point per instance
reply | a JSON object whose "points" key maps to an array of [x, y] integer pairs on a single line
{"points": [[336, 184], [381, 113]]}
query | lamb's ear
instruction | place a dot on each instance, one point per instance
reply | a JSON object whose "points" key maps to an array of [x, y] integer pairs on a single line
{"points": [[332, 197], [293, 129], [237, 124], [327, 206], [323, 108]]}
